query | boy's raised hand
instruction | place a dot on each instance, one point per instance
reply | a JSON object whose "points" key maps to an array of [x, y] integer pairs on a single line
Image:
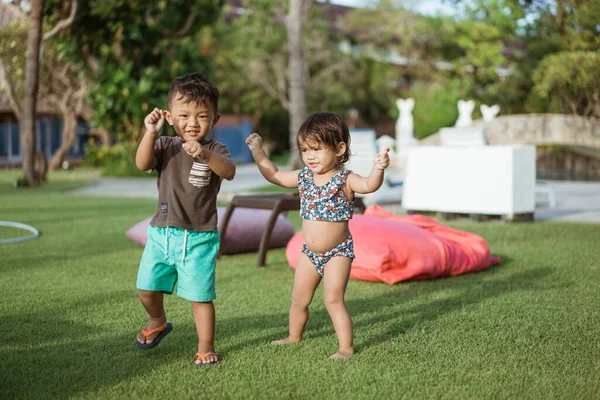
{"points": [[382, 159], [154, 121], [193, 148], [254, 141]]}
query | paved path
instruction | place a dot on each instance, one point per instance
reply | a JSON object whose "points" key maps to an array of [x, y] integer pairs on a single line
{"points": [[247, 177], [575, 201]]}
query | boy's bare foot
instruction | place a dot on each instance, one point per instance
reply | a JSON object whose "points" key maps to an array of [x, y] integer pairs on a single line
{"points": [[285, 341], [341, 355]]}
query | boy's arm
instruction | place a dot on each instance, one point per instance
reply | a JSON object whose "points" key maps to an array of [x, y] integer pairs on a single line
{"points": [[371, 183], [219, 164], [218, 161], [268, 169], [144, 156]]}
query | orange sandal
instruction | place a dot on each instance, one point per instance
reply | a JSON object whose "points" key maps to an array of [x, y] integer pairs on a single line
{"points": [[164, 331], [202, 356]]}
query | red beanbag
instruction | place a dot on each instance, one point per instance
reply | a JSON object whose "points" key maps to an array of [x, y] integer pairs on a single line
{"points": [[244, 230], [391, 248]]}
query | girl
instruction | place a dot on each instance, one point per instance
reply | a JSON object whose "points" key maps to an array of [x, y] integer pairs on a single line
{"points": [[326, 204]]}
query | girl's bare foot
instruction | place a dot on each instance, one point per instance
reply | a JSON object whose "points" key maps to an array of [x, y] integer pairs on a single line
{"points": [[285, 341], [342, 354]]}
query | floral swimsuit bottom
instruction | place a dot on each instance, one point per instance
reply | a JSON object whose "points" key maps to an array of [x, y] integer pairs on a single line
{"points": [[344, 249]]}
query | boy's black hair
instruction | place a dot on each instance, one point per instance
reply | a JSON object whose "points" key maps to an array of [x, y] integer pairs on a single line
{"points": [[327, 129], [194, 87]]}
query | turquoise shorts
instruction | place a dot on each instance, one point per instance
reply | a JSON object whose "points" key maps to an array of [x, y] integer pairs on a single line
{"points": [[175, 256]]}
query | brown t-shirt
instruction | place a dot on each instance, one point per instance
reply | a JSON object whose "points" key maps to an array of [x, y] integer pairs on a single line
{"points": [[187, 188]]}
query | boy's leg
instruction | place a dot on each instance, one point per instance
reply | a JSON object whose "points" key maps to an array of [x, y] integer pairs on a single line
{"points": [[153, 303], [197, 275], [156, 276], [336, 276], [204, 319], [306, 281]]}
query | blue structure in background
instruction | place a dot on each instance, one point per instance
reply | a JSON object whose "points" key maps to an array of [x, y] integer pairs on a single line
{"points": [[48, 139], [234, 137]]}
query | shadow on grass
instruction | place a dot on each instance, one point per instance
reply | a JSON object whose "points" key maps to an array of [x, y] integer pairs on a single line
{"points": [[398, 317], [45, 352], [47, 355], [400, 321]]}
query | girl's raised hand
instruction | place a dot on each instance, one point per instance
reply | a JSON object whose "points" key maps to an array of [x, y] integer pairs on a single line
{"points": [[254, 141], [382, 159]]}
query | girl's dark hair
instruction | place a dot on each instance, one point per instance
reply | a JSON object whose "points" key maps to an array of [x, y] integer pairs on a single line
{"points": [[194, 87], [327, 129]]}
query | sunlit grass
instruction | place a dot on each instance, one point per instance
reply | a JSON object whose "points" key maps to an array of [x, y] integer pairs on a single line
{"points": [[69, 313]]}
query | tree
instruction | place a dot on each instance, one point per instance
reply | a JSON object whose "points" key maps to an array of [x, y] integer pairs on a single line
{"points": [[25, 110], [479, 46], [573, 79], [28, 116], [557, 27], [296, 73], [537, 29], [132, 49], [251, 54], [387, 29], [468, 46], [572, 24], [66, 90], [62, 85], [246, 51]]}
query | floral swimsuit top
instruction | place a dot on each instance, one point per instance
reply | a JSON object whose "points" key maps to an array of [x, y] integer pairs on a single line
{"points": [[327, 202]]}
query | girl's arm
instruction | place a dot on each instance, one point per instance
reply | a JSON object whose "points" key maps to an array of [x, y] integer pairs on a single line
{"points": [[287, 179], [371, 183]]}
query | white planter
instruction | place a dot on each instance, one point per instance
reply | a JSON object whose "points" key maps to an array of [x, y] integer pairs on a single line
{"points": [[490, 180]]}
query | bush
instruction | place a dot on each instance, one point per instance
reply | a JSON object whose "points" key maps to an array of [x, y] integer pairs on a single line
{"points": [[275, 126], [116, 160], [435, 106]]}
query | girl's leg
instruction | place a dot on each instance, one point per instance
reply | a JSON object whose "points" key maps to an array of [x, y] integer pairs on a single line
{"points": [[306, 280], [336, 275], [204, 319], [153, 303]]}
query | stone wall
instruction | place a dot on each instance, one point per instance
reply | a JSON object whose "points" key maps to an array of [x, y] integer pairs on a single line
{"points": [[559, 129], [568, 145]]}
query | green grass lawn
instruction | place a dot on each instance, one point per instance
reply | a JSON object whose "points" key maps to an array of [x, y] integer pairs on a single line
{"points": [[69, 313]]}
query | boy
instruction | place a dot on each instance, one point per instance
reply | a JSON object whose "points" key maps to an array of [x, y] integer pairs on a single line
{"points": [[183, 240]]}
